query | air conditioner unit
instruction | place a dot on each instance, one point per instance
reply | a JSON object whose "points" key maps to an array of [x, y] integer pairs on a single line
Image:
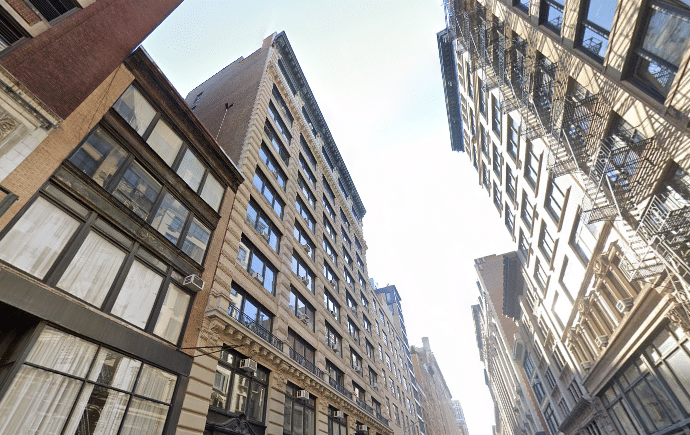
{"points": [[305, 280], [243, 256], [362, 428], [586, 365], [264, 234], [274, 172], [332, 257], [248, 364], [334, 346], [334, 283], [303, 317], [624, 305], [339, 414], [194, 283], [303, 394], [375, 385], [306, 247], [257, 276], [333, 313], [601, 340]]}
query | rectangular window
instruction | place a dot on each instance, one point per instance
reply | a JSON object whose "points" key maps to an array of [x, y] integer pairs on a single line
{"points": [[329, 228], [304, 187], [540, 275], [333, 340], [509, 220], [305, 213], [496, 116], [269, 193], [258, 220], [329, 208], [546, 242], [277, 144], [273, 167], [550, 379], [70, 383], [527, 211], [328, 190], [299, 415], [239, 391], [256, 264], [551, 15], [330, 251], [532, 164], [497, 162], [482, 97], [497, 196], [336, 425], [303, 240], [555, 200], [301, 351], [346, 239], [305, 167], [280, 125], [552, 420], [347, 257], [281, 103], [302, 309], [330, 276], [595, 27], [357, 244], [483, 137], [307, 151], [522, 5], [539, 392], [584, 238], [513, 138], [348, 279], [303, 272], [511, 185]]}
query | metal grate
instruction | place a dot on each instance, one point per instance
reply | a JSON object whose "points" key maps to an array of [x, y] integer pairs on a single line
{"points": [[52, 9]]}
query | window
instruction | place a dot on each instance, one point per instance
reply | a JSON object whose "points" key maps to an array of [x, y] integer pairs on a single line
{"points": [[306, 191], [303, 272], [385, 338], [333, 340], [329, 228], [335, 375], [539, 392], [302, 309], [260, 222], [67, 381], [482, 96], [336, 426], [652, 391], [395, 407], [361, 281], [370, 350], [277, 144], [342, 187], [52, 9], [328, 207], [513, 138], [495, 116], [348, 279], [374, 382], [301, 351], [304, 241], [363, 300], [509, 219], [281, 103], [359, 260], [498, 201], [331, 305], [353, 330], [254, 262], [280, 125], [98, 264], [555, 200], [584, 238], [306, 215], [330, 251], [307, 171], [347, 257], [540, 275], [356, 362], [299, 416], [330, 276], [484, 140], [532, 163], [522, 5], [511, 185], [381, 353], [10, 32], [287, 76], [550, 379], [383, 319], [552, 420], [563, 406], [345, 220], [486, 177], [497, 162], [327, 188], [264, 187], [528, 365], [660, 48], [574, 391], [272, 165], [351, 304], [102, 159], [527, 211], [595, 27], [346, 239], [307, 151], [239, 391], [551, 15], [546, 242], [357, 244]]}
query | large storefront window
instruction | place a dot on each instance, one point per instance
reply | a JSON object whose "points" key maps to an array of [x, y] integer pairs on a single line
{"points": [[652, 393], [300, 414], [238, 391], [69, 385]]}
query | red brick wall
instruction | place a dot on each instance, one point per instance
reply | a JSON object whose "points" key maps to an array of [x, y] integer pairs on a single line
{"points": [[64, 64]]}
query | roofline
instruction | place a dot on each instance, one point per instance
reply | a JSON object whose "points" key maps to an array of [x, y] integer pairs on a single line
{"points": [[283, 45]]}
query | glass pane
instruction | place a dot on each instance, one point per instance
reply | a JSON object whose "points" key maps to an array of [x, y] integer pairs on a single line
{"points": [[212, 192], [220, 387], [269, 277], [170, 218], [297, 418], [93, 270], [99, 157], [287, 414], [135, 110], [144, 418], [250, 310], [156, 384], [172, 314], [678, 390], [115, 370], [37, 402], [196, 241], [240, 390], [667, 36], [165, 142], [601, 12], [191, 170], [138, 293], [137, 190], [98, 411], [62, 352]]}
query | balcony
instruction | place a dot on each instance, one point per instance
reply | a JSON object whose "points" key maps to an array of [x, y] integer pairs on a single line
{"points": [[253, 326], [339, 388], [381, 418], [301, 360]]}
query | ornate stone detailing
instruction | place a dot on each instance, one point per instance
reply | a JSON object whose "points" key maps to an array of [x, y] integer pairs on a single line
{"points": [[7, 124], [236, 425], [679, 318]]}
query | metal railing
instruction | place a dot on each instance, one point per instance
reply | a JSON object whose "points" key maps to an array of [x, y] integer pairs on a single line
{"points": [[339, 388], [253, 326], [301, 360]]}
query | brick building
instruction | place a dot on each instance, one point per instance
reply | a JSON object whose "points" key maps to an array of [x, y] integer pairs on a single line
{"points": [[574, 115], [305, 345]]}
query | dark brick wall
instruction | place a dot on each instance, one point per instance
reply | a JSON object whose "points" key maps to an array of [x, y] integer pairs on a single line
{"points": [[64, 64]]}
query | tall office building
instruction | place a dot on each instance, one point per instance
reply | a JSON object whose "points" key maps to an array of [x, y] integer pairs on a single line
{"points": [[295, 341], [439, 417], [574, 115], [459, 417]]}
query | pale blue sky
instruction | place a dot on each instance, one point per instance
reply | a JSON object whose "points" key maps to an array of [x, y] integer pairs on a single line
{"points": [[374, 70]]}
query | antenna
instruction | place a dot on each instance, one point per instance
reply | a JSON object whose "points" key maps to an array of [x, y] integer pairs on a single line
{"points": [[227, 106]]}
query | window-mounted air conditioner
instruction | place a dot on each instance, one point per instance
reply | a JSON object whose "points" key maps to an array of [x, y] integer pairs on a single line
{"points": [[248, 364], [303, 317], [601, 340], [257, 276], [274, 172], [339, 414], [303, 394], [624, 305], [334, 346], [306, 247], [586, 365], [194, 283], [362, 428], [305, 280], [264, 234]]}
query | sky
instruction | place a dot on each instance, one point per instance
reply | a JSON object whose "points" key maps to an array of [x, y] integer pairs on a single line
{"points": [[374, 70]]}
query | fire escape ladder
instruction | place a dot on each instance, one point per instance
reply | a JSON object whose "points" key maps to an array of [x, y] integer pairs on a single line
{"points": [[639, 260]]}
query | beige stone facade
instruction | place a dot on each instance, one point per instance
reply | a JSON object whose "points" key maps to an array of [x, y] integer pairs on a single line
{"points": [[578, 133], [294, 250]]}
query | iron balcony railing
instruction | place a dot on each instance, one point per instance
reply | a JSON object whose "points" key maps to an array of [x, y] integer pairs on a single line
{"points": [[255, 327], [381, 418], [301, 360], [339, 388]]}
